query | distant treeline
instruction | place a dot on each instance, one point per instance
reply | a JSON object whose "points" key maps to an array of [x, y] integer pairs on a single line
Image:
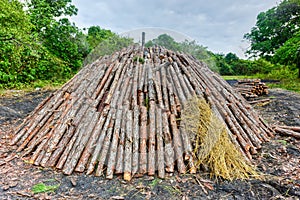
{"points": [[40, 43]]}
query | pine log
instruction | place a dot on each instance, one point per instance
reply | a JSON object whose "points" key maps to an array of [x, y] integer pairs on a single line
{"points": [[83, 135], [72, 122], [59, 131], [177, 143], [99, 144], [128, 147], [160, 144], [111, 163], [293, 128], [91, 143], [143, 141], [169, 152], [121, 146], [135, 145], [105, 148], [151, 144], [287, 132]]}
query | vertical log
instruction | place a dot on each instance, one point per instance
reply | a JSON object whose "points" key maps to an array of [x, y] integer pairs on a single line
{"points": [[105, 148], [160, 145], [111, 164], [151, 144], [177, 143], [120, 154], [135, 145], [165, 93], [99, 144], [128, 147], [82, 138], [143, 141], [169, 152]]}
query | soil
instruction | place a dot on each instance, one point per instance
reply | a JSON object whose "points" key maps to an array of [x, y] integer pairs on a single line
{"points": [[278, 160]]}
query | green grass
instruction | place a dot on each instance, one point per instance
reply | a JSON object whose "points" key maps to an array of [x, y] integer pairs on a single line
{"points": [[238, 77], [42, 188], [292, 85], [25, 88]]}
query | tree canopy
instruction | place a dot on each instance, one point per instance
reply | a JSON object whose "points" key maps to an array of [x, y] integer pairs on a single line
{"points": [[38, 42], [273, 28]]}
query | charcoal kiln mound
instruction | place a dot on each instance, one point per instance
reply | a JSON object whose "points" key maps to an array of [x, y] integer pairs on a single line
{"points": [[122, 114]]}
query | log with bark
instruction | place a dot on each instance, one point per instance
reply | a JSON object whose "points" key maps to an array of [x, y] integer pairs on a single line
{"points": [[251, 88]]}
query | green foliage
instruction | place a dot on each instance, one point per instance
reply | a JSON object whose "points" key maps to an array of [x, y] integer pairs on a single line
{"points": [[140, 59], [20, 52], [43, 13], [107, 47], [96, 35], [288, 53], [166, 41], [273, 28], [42, 188], [191, 47], [61, 38], [64, 42], [200, 52]]}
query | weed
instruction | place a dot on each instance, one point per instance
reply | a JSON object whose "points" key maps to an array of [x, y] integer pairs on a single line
{"points": [[140, 59], [42, 188], [283, 142]]}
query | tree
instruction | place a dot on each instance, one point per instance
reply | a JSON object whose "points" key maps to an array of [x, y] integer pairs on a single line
{"points": [[231, 58], [107, 47], [61, 37], [96, 35], [273, 28], [19, 51], [191, 47], [43, 13], [287, 53], [223, 66], [164, 40]]}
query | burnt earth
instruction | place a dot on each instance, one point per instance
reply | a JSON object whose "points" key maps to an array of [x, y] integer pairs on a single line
{"points": [[278, 160]]}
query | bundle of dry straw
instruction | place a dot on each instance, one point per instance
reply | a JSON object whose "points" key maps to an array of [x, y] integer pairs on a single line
{"points": [[212, 145]]}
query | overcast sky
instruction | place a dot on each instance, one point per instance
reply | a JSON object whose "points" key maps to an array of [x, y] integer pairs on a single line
{"points": [[216, 24]]}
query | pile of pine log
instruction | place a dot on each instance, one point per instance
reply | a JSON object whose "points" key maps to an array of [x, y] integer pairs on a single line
{"points": [[121, 115], [251, 88], [291, 131]]}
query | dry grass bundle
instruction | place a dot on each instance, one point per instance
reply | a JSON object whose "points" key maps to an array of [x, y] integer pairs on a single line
{"points": [[212, 145]]}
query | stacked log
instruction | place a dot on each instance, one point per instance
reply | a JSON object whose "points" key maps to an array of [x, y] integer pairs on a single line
{"points": [[251, 88], [121, 116], [291, 131]]}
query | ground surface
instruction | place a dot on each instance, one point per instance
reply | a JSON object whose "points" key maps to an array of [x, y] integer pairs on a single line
{"points": [[279, 160]]}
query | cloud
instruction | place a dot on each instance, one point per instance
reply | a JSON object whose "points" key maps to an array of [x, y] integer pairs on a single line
{"points": [[219, 25]]}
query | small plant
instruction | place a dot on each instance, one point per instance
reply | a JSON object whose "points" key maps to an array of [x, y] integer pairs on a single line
{"points": [[283, 142], [42, 188], [140, 59], [154, 182]]}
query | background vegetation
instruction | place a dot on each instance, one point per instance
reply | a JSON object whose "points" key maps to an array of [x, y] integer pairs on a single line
{"points": [[39, 45]]}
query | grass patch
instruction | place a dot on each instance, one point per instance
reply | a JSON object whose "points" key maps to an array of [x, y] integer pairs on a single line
{"points": [[42, 188], [238, 77], [25, 88], [292, 85], [283, 142]]}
